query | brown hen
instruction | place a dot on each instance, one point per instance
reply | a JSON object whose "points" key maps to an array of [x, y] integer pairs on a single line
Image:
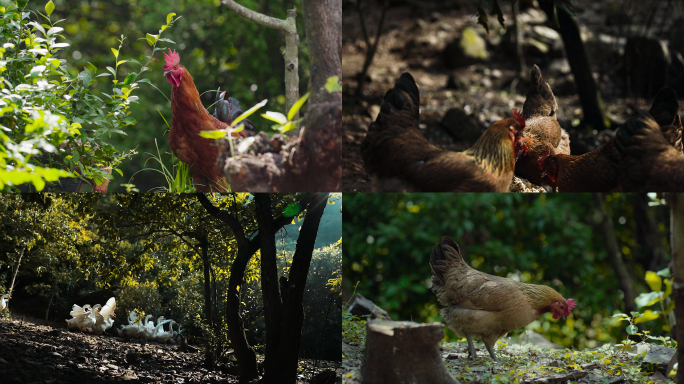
{"points": [[479, 305], [599, 170], [653, 155], [542, 131], [398, 157]]}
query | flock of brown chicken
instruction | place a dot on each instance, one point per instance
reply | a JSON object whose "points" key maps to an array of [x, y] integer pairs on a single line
{"points": [[644, 156]]}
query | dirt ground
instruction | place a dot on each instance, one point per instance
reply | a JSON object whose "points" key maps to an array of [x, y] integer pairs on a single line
{"points": [[414, 39], [34, 353]]}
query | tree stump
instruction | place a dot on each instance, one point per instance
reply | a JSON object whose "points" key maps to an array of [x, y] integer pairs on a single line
{"points": [[404, 352]]}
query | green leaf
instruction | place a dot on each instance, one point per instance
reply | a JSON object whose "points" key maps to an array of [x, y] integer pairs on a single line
{"points": [[121, 62], [482, 18], [295, 108], [275, 116], [249, 112], [632, 329], [151, 39], [112, 70], [212, 134], [664, 272], [116, 53], [647, 299], [654, 281], [292, 209], [54, 30], [648, 315], [244, 144], [333, 84], [169, 17], [287, 127], [49, 7], [129, 79]]}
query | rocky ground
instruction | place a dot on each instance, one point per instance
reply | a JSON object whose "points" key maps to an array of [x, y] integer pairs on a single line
{"points": [[459, 101], [533, 363], [33, 353]]}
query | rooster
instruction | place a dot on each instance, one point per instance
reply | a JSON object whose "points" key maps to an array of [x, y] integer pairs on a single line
{"points": [[541, 129], [600, 169], [399, 158], [486, 306], [189, 118]]}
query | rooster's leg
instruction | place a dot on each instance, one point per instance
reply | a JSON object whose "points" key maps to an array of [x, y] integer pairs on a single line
{"points": [[471, 347], [491, 352]]}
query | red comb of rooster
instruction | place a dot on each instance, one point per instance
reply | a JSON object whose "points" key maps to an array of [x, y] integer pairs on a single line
{"points": [[171, 58], [571, 304], [518, 117]]}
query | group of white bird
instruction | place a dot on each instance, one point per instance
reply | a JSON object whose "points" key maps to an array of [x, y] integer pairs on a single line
{"points": [[92, 320], [3, 301], [147, 330]]}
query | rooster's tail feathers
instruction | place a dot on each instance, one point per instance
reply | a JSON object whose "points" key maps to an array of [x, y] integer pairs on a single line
{"points": [[443, 255]]}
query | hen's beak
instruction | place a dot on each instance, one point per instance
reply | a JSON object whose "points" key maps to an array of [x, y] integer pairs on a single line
{"points": [[166, 72]]}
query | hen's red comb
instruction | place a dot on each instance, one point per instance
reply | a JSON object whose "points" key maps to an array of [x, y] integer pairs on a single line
{"points": [[571, 304], [518, 117], [171, 58]]}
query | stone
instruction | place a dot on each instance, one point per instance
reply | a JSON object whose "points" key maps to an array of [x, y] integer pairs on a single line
{"points": [[360, 306], [659, 354]]}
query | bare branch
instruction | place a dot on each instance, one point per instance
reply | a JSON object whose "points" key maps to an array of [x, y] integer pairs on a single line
{"points": [[260, 18]]}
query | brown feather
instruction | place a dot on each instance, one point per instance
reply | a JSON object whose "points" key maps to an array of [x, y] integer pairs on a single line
{"points": [[189, 119]]}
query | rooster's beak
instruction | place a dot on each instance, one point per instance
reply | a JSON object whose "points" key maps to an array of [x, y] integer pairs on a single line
{"points": [[166, 72]]}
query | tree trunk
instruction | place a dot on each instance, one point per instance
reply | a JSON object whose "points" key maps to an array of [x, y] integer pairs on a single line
{"points": [[323, 25], [16, 270], [312, 160], [677, 240], [607, 231], [404, 352], [207, 280], [592, 105], [651, 252], [244, 354], [273, 306], [286, 329]]}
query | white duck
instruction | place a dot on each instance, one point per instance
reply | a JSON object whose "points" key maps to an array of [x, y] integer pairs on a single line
{"points": [[163, 336], [3, 301], [132, 329], [79, 315], [150, 329], [77, 311], [177, 334], [106, 320], [91, 319], [159, 333]]}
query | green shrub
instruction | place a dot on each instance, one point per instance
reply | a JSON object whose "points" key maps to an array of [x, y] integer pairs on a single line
{"points": [[52, 122], [144, 298]]}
